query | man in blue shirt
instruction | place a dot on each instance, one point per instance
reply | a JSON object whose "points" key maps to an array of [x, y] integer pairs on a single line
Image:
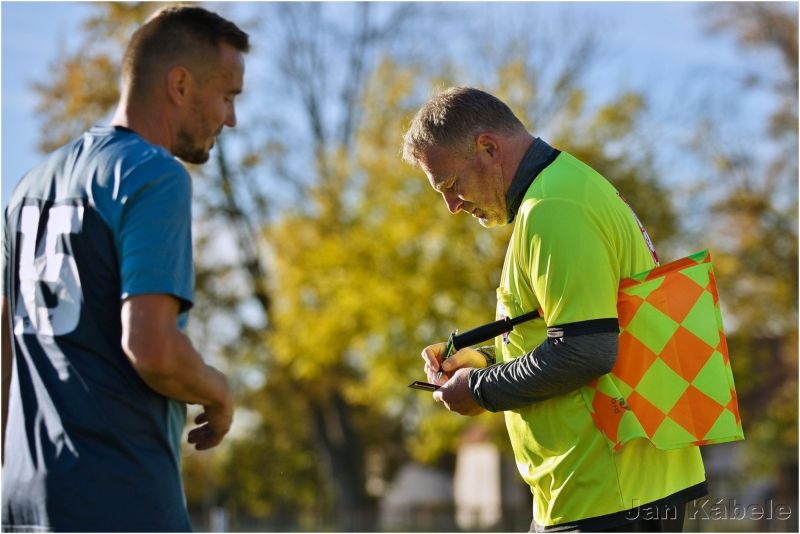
{"points": [[97, 281]]}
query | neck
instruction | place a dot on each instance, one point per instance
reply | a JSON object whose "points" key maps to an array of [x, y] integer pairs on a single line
{"points": [[512, 157], [149, 120]]}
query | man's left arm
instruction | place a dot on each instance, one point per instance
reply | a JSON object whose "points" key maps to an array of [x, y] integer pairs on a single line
{"points": [[557, 366]]}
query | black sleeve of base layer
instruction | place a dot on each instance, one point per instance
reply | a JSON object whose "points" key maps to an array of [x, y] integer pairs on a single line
{"points": [[555, 367]]}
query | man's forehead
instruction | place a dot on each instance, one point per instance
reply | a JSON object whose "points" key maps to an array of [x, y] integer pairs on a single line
{"points": [[440, 164], [230, 65], [432, 169], [436, 160], [231, 56]]}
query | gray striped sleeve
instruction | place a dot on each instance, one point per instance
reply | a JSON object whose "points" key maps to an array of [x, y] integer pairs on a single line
{"points": [[555, 367]]}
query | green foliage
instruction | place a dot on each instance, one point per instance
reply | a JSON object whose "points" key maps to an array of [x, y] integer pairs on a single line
{"points": [[387, 275]]}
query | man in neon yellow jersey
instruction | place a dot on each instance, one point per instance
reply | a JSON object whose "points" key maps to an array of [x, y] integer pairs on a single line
{"points": [[574, 239]]}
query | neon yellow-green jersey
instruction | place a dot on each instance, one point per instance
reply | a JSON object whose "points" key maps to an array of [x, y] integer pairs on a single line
{"points": [[574, 239]]}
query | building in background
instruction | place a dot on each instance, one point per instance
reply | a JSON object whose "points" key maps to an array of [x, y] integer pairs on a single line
{"points": [[485, 493]]}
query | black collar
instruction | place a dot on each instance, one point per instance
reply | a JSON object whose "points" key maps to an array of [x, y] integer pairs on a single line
{"points": [[538, 156]]}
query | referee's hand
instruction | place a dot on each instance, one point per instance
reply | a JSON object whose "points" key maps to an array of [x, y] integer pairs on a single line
{"points": [[456, 395], [434, 361]]}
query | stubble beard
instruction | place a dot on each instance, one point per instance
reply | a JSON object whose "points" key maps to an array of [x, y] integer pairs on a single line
{"points": [[493, 217], [488, 222], [187, 149]]}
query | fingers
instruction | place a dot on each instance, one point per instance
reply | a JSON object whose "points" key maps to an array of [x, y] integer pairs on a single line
{"points": [[435, 377], [445, 390], [213, 425], [463, 358], [203, 437], [456, 396], [199, 436], [435, 362], [433, 354]]}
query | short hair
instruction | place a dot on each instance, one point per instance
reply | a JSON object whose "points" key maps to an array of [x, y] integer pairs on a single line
{"points": [[452, 119], [173, 36]]}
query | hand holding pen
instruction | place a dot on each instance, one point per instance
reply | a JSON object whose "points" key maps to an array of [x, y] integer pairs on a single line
{"points": [[439, 369], [441, 359], [449, 377]]}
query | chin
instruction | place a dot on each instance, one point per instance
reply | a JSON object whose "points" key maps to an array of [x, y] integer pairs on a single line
{"points": [[197, 157], [490, 222]]}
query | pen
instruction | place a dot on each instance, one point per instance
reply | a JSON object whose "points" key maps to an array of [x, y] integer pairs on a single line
{"points": [[482, 333], [448, 351]]}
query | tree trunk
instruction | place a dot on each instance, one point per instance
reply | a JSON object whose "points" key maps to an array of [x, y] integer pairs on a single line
{"points": [[340, 447]]}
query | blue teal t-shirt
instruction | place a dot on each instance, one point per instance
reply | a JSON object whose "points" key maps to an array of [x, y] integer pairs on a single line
{"points": [[89, 446]]}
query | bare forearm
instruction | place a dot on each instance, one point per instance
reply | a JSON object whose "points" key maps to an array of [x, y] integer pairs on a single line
{"points": [[183, 375], [164, 357], [166, 360]]}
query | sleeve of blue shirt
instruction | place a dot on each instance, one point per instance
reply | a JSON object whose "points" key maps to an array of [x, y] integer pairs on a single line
{"points": [[154, 235]]}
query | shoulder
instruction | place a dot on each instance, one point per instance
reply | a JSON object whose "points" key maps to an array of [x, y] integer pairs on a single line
{"points": [[540, 214], [553, 224], [38, 181], [570, 178], [567, 190], [122, 168], [155, 171], [137, 160], [124, 163]]}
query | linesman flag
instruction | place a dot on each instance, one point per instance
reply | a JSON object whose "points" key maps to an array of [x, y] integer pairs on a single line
{"points": [[672, 383]]}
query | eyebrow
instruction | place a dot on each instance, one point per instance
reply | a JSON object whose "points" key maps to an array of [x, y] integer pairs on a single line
{"points": [[439, 188]]}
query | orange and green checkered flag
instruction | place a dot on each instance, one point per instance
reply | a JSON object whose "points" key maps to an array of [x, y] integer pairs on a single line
{"points": [[672, 383]]}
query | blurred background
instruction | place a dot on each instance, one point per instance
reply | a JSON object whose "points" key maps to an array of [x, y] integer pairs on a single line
{"points": [[324, 264]]}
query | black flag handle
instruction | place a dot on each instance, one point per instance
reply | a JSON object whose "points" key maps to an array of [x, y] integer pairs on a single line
{"points": [[488, 331]]}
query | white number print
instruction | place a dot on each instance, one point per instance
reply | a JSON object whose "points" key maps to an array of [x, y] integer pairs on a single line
{"points": [[44, 270]]}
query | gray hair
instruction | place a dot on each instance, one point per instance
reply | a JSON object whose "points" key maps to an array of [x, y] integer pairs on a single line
{"points": [[453, 118]]}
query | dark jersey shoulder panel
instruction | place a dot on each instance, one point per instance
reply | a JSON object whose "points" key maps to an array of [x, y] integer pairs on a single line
{"points": [[89, 446]]}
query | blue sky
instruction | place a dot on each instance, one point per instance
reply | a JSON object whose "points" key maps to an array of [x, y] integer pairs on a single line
{"points": [[658, 48], [31, 36]]}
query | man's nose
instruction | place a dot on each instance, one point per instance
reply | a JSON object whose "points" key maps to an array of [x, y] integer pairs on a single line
{"points": [[230, 119], [453, 202]]}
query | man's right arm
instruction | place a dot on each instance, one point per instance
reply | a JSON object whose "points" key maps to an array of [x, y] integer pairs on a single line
{"points": [[165, 359]]}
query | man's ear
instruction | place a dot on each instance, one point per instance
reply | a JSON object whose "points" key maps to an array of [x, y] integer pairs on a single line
{"points": [[178, 80], [489, 144]]}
